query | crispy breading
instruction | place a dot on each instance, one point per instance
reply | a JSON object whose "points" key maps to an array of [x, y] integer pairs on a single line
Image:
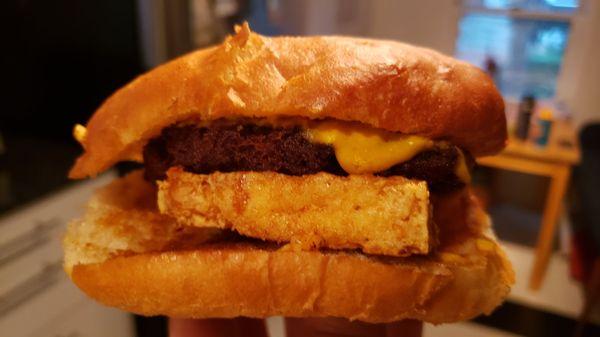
{"points": [[388, 216]]}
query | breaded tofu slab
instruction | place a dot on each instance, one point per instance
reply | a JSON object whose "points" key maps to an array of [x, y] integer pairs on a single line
{"points": [[387, 216]]}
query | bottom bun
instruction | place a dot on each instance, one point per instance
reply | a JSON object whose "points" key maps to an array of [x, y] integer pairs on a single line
{"points": [[124, 254]]}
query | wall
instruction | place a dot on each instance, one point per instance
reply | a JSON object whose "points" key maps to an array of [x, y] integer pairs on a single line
{"points": [[579, 82], [430, 23], [336, 17]]}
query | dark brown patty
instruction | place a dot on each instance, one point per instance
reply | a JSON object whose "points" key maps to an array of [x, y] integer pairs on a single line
{"points": [[249, 147]]}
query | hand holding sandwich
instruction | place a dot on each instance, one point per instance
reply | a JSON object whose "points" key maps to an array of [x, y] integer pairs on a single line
{"points": [[296, 327]]}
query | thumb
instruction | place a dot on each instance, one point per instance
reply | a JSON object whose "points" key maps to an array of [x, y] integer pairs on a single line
{"points": [[330, 327]]}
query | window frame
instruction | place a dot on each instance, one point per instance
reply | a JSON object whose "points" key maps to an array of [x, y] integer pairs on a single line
{"points": [[518, 13]]}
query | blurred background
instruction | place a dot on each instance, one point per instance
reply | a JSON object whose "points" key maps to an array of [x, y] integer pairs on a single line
{"points": [[62, 58]]}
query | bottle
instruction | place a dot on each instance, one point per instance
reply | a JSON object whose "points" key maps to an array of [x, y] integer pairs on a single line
{"points": [[526, 107], [544, 122]]}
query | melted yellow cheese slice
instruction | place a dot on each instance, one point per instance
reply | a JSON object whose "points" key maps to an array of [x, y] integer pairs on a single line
{"points": [[359, 149]]}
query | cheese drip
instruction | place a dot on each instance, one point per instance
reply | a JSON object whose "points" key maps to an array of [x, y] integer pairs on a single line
{"points": [[361, 150]]}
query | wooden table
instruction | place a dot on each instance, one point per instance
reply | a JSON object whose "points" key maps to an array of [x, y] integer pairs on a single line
{"points": [[553, 161]]}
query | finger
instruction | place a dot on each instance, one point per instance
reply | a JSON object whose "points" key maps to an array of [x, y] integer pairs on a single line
{"points": [[406, 328], [330, 327], [217, 327]]}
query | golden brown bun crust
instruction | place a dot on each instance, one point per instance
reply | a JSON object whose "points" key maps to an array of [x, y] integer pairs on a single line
{"points": [[245, 280], [385, 84], [110, 257]]}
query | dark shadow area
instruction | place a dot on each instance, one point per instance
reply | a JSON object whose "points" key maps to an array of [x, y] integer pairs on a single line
{"points": [[525, 321], [60, 59]]}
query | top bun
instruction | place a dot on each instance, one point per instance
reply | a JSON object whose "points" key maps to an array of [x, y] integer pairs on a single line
{"points": [[384, 84]]}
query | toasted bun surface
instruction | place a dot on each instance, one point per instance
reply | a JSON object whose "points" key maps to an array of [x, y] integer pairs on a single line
{"points": [[120, 261], [121, 218], [384, 84]]}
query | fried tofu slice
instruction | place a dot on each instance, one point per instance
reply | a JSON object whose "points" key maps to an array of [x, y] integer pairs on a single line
{"points": [[387, 216]]}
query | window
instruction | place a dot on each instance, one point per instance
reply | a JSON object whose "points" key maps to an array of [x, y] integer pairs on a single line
{"points": [[520, 42]]}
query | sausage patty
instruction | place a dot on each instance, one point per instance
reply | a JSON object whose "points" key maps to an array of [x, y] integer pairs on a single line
{"points": [[251, 147]]}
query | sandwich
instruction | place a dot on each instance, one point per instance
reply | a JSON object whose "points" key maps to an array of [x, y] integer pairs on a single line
{"points": [[295, 176]]}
